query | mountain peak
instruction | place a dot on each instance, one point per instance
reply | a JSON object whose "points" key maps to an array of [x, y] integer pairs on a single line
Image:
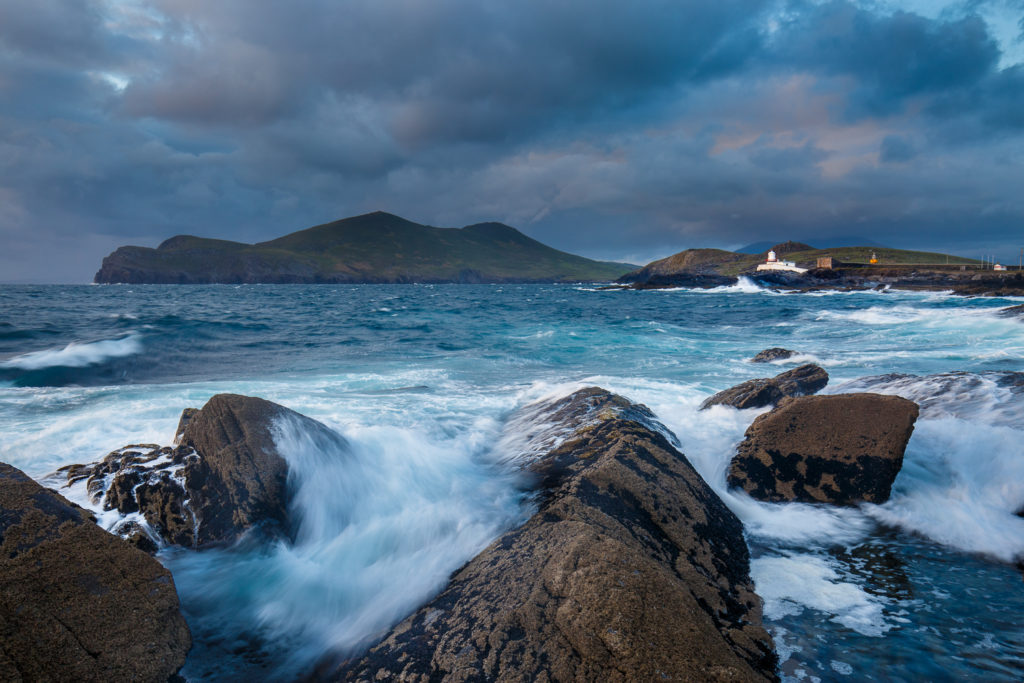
{"points": [[373, 247]]}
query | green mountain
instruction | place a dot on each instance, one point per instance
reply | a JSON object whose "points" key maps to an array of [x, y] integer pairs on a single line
{"points": [[375, 247]]}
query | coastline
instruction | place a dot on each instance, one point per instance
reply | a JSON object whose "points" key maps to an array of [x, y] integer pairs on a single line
{"points": [[928, 278]]}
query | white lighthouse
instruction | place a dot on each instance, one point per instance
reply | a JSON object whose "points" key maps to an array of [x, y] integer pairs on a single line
{"points": [[773, 263]]}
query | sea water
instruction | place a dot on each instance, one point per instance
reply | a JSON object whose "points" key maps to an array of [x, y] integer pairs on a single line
{"points": [[412, 478]]}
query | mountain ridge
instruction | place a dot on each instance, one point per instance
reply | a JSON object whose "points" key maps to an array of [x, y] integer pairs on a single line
{"points": [[377, 247]]}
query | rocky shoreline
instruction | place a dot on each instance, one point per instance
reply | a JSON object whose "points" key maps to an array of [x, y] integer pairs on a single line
{"points": [[971, 282], [630, 568]]}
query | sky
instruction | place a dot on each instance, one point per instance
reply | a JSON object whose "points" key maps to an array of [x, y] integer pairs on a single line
{"points": [[624, 131]]}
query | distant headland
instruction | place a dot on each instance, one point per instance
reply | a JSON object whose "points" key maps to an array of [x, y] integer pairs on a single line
{"points": [[373, 248], [796, 266]]}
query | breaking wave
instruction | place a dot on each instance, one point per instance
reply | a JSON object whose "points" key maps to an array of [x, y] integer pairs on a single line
{"points": [[77, 355]]}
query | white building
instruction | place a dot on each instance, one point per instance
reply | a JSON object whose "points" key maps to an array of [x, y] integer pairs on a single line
{"points": [[773, 263], [999, 266]]}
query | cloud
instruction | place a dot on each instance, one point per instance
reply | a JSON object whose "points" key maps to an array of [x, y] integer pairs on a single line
{"points": [[600, 128], [896, 149]]}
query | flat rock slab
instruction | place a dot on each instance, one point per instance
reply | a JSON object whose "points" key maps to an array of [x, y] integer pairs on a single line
{"points": [[757, 393], [632, 569], [841, 449], [76, 602]]}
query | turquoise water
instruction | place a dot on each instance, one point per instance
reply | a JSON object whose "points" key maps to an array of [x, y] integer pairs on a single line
{"points": [[417, 383]]}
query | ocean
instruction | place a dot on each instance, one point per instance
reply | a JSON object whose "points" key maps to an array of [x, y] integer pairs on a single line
{"points": [[417, 383]]}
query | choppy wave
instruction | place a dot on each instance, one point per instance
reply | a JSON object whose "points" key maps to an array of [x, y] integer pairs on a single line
{"points": [[412, 483], [77, 355]]}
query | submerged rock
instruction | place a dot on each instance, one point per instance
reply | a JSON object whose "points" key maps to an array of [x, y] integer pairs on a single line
{"points": [[631, 569], [995, 397], [225, 478], [841, 449], [76, 602], [774, 353], [1012, 311], [757, 393]]}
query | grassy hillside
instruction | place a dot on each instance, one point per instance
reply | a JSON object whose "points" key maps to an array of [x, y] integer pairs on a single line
{"points": [[735, 263], [376, 247]]}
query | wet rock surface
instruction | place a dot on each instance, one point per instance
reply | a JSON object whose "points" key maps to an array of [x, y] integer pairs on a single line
{"points": [[840, 449], [757, 393], [224, 478], [774, 353], [239, 480], [1012, 311], [186, 416], [631, 569], [76, 602], [145, 479]]}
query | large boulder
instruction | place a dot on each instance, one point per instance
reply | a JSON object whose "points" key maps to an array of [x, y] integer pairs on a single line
{"points": [[757, 393], [841, 449], [76, 602], [630, 569], [239, 480], [225, 477]]}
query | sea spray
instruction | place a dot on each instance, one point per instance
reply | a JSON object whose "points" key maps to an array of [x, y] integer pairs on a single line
{"points": [[380, 520], [961, 486]]}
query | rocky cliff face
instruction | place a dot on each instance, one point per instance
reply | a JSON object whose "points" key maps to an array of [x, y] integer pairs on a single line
{"points": [[78, 603], [631, 569]]}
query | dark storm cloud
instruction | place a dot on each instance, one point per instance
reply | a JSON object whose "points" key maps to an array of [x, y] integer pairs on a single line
{"points": [[613, 130], [890, 58], [896, 148]]}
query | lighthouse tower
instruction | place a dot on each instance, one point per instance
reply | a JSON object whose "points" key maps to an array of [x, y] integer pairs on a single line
{"points": [[772, 258]]}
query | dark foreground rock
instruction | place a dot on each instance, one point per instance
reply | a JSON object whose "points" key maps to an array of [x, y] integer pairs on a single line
{"points": [[757, 393], [224, 478], [239, 480], [76, 602], [632, 569], [774, 353], [841, 449]]}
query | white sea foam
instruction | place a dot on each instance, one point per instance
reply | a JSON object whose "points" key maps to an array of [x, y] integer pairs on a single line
{"points": [[791, 583], [382, 519], [960, 486], [743, 285], [76, 355]]}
